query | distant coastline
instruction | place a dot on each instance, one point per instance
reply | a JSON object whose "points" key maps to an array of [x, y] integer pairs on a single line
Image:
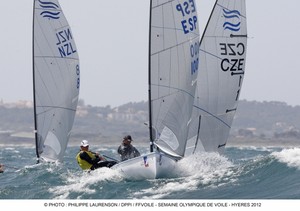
{"points": [[259, 124], [232, 142]]}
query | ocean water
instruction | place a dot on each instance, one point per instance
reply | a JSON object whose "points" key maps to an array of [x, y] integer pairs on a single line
{"points": [[241, 173]]}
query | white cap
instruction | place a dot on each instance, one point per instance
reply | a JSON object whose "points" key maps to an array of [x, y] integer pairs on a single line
{"points": [[84, 143]]}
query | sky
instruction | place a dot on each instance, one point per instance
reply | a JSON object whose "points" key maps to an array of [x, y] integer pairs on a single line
{"points": [[112, 42]]}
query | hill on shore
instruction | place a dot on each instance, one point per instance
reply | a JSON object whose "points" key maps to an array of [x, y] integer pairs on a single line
{"points": [[261, 122]]}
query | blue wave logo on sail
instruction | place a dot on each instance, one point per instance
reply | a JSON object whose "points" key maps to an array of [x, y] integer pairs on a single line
{"points": [[233, 20], [48, 10]]}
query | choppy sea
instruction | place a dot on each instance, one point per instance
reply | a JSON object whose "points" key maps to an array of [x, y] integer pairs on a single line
{"points": [[241, 173]]}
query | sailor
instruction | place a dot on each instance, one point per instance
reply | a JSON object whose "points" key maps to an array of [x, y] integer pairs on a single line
{"points": [[89, 160], [127, 150], [1, 168]]}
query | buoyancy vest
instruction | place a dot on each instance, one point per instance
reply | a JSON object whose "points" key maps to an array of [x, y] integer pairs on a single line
{"points": [[83, 163]]}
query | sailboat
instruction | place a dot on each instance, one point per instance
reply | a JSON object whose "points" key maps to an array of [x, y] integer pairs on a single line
{"points": [[222, 67], [56, 80], [173, 68]]}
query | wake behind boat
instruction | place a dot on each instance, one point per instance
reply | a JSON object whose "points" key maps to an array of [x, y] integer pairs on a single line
{"points": [[56, 78], [173, 69]]}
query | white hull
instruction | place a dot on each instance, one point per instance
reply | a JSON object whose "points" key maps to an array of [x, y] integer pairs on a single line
{"points": [[148, 166]]}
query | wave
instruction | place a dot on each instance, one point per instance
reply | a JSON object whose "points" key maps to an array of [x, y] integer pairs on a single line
{"points": [[213, 176], [291, 157], [240, 173], [194, 172], [86, 184], [274, 177]]}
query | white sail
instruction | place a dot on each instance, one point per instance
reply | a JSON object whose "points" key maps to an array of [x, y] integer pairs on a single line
{"points": [[221, 73], [56, 76], [174, 47], [173, 69]]}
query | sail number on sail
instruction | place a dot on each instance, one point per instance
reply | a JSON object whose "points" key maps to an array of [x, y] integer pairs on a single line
{"points": [[194, 49], [235, 65], [64, 43], [189, 21]]}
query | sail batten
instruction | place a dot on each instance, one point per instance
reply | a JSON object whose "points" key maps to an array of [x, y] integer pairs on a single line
{"points": [[56, 77]]}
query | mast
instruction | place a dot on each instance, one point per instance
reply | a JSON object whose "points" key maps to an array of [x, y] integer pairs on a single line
{"points": [[34, 100], [207, 23], [199, 119], [149, 80]]}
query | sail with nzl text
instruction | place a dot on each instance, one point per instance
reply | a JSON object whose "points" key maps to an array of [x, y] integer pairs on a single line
{"points": [[56, 79]]}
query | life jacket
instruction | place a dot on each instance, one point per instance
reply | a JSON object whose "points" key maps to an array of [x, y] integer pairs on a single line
{"points": [[83, 163]]}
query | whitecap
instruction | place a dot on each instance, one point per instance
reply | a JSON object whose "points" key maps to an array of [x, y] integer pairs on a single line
{"points": [[205, 169], [289, 156], [85, 182]]}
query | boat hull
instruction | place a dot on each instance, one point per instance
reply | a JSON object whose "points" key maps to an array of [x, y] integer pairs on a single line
{"points": [[148, 166]]}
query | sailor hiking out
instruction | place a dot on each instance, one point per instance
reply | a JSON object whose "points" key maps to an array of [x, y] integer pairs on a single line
{"points": [[89, 160]]}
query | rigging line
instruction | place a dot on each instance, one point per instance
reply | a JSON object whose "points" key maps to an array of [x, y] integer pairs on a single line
{"points": [[212, 116], [53, 107], [174, 88], [175, 29], [174, 46], [50, 107], [233, 64], [110, 158], [213, 55]]}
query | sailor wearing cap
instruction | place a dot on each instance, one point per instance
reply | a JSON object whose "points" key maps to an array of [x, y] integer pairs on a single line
{"points": [[127, 150], [89, 160]]}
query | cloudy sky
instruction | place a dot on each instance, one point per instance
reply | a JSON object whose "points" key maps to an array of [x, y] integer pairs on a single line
{"points": [[112, 42]]}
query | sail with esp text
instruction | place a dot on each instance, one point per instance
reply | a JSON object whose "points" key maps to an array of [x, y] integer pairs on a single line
{"points": [[173, 70]]}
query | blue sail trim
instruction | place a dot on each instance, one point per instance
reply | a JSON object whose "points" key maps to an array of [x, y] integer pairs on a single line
{"points": [[49, 5], [52, 15]]}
